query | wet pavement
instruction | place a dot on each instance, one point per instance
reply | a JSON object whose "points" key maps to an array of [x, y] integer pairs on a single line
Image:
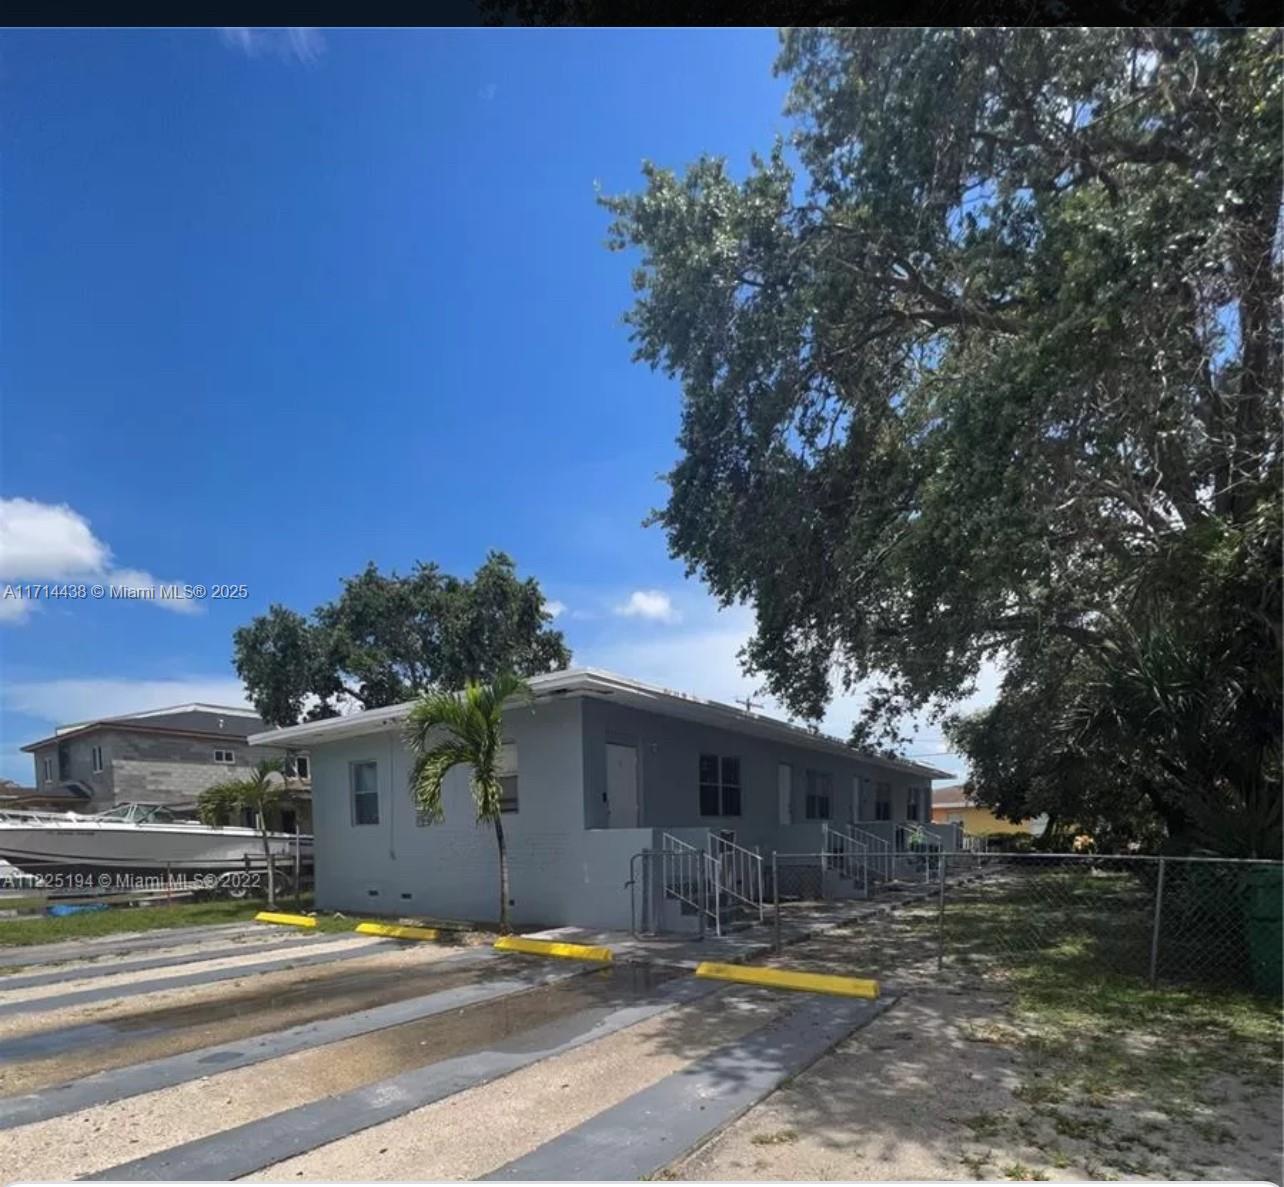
{"points": [[273, 1065], [54, 1055]]}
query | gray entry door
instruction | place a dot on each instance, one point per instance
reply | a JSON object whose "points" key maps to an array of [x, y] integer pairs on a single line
{"points": [[621, 785]]}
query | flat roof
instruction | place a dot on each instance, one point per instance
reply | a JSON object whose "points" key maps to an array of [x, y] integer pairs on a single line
{"points": [[594, 682], [195, 720]]}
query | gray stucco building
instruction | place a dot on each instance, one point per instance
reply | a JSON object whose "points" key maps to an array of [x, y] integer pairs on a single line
{"points": [[165, 756], [600, 768]]}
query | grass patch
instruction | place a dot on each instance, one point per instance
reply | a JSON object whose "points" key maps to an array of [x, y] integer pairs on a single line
{"points": [[1022, 1173], [976, 1163], [779, 1137], [984, 1125], [1096, 1043], [45, 929]]}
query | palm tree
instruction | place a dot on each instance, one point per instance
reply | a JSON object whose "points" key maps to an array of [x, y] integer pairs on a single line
{"points": [[451, 729], [264, 792]]}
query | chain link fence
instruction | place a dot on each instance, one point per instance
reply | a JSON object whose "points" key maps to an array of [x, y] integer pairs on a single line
{"points": [[1184, 921], [795, 878], [1199, 922]]}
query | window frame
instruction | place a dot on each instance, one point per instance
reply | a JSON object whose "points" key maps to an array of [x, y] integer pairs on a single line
{"points": [[228, 761], [96, 759], [818, 798], [304, 772], [354, 793], [47, 769], [509, 804], [728, 792], [882, 800]]}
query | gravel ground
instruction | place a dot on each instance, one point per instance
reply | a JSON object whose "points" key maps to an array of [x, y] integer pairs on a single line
{"points": [[95, 1139], [381, 957], [481, 1129], [953, 1083], [291, 998], [253, 954]]}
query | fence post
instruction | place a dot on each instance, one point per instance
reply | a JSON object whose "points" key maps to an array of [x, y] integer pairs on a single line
{"points": [[1154, 934], [940, 918], [775, 894]]}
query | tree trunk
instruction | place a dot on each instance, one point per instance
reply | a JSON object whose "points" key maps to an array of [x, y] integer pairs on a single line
{"points": [[503, 877], [267, 857]]}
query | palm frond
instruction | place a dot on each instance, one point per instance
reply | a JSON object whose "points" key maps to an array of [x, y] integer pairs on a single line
{"points": [[449, 729]]}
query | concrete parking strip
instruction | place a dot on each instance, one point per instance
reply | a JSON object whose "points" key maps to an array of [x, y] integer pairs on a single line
{"points": [[116, 968], [474, 1132], [136, 1079], [80, 997], [247, 1148], [640, 1136], [119, 944]]}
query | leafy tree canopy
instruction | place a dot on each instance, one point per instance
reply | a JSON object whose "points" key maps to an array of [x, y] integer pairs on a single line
{"points": [[983, 365], [388, 638]]}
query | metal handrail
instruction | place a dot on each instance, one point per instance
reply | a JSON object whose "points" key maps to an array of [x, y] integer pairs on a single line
{"points": [[744, 867], [849, 855], [879, 850]]}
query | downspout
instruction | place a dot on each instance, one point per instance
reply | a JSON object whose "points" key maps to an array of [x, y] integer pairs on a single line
{"points": [[392, 806]]}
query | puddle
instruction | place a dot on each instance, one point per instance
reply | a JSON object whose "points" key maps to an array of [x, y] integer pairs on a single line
{"points": [[570, 1008], [560, 1012]]}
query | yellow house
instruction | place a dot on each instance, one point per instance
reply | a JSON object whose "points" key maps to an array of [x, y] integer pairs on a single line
{"points": [[950, 805]]}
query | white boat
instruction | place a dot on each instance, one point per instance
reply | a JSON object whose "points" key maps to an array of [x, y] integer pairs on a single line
{"points": [[138, 839]]}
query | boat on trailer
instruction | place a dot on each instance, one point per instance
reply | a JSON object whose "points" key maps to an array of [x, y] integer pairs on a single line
{"points": [[140, 840]]}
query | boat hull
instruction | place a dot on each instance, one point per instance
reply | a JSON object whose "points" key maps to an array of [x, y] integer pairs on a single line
{"points": [[86, 848]]}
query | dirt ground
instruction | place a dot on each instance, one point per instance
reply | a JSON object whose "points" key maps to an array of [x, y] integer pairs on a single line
{"points": [[961, 1080]]}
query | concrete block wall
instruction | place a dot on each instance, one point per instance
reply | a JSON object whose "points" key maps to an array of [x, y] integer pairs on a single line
{"points": [[152, 767], [558, 871]]}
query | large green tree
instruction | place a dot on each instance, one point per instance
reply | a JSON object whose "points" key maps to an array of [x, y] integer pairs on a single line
{"points": [[388, 638], [975, 367]]}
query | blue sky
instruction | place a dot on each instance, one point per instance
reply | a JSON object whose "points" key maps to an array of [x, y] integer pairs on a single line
{"points": [[274, 307]]}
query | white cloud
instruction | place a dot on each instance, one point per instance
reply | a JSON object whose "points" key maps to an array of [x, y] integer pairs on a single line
{"points": [[71, 699], [555, 608], [651, 604], [138, 585], [302, 43], [40, 541], [52, 542], [14, 609]]}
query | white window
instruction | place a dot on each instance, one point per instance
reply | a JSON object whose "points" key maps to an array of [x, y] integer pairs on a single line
{"points": [[302, 767], [96, 759], [508, 777], [48, 769], [819, 803], [224, 756], [364, 781]]}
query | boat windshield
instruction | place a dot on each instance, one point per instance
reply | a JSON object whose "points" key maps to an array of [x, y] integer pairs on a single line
{"points": [[137, 813]]}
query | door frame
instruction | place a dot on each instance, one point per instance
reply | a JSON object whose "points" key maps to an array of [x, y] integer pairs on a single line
{"points": [[637, 780]]}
